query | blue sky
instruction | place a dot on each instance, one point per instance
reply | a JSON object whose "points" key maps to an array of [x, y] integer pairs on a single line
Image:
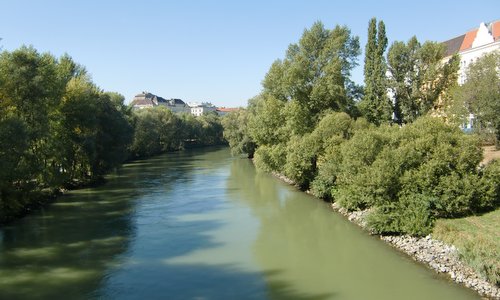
{"points": [[216, 51]]}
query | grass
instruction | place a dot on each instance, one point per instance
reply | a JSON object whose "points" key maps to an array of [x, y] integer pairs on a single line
{"points": [[490, 153], [478, 241]]}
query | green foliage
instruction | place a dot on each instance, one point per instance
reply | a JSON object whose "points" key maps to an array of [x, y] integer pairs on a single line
{"points": [[476, 238], [482, 256], [211, 130], [411, 215], [480, 94], [326, 179], [407, 175], [490, 187], [301, 157], [315, 72], [375, 105], [270, 158], [58, 129], [331, 125], [265, 127], [418, 78], [235, 126], [158, 130], [13, 167], [356, 182]]}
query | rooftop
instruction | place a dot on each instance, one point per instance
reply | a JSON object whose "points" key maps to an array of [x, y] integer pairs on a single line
{"points": [[484, 34]]}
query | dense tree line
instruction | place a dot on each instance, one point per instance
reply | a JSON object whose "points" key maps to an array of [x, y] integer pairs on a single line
{"points": [[58, 129], [313, 126], [158, 130]]}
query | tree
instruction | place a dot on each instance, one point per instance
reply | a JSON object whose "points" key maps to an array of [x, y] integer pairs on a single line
{"points": [[480, 94], [266, 126], [114, 133], [375, 104], [30, 88], [236, 132], [158, 130], [315, 72], [212, 130], [419, 78]]}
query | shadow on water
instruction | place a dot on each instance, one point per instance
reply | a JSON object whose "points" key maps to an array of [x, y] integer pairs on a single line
{"points": [[322, 255], [197, 225], [177, 265], [70, 247], [114, 241]]}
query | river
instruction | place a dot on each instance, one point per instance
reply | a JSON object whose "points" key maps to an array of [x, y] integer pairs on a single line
{"points": [[199, 224]]}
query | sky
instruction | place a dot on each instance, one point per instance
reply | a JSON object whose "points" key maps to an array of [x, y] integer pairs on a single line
{"points": [[211, 51]]}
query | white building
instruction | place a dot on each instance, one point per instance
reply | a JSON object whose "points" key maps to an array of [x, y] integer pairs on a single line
{"points": [[199, 109], [147, 100], [472, 45]]}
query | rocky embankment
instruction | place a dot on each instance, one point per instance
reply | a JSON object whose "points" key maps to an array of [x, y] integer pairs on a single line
{"points": [[437, 255], [441, 257]]}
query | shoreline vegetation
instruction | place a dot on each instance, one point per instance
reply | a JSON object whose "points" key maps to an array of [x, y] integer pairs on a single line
{"points": [[60, 131], [433, 252], [401, 162]]}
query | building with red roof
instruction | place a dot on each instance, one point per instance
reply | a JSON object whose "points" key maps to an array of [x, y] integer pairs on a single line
{"points": [[474, 44]]}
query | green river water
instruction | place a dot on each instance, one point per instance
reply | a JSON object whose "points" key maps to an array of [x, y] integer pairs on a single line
{"points": [[202, 225]]}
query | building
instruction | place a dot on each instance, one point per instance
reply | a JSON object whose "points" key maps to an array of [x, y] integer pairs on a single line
{"points": [[470, 46], [222, 111], [200, 109], [474, 44], [147, 100]]}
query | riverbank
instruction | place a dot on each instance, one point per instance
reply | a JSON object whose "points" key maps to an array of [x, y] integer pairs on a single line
{"points": [[436, 254], [40, 198]]}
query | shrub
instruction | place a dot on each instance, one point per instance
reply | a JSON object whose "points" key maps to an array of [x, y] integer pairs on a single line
{"points": [[355, 179], [302, 153], [411, 214], [328, 166], [333, 124], [270, 158], [489, 187]]}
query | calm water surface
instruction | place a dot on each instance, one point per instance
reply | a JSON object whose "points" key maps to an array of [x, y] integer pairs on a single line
{"points": [[202, 225]]}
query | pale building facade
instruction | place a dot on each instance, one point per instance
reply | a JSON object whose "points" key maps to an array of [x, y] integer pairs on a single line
{"points": [[200, 109], [148, 100], [471, 46]]}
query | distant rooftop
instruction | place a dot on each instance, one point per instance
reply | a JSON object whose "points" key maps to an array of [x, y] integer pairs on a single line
{"points": [[149, 99], [226, 109], [467, 40]]}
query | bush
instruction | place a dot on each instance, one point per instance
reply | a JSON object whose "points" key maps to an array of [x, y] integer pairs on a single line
{"points": [[489, 187], [411, 214], [328, 168], [301, 158], [236, 132], [355, 179], [333, 124], [411, 175], [270, 158]]}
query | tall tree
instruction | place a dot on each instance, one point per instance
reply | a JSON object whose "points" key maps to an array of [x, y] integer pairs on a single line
{"points": [[315, 72], [480, 94], [418, 77], [375, 104], [30, 88]]}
